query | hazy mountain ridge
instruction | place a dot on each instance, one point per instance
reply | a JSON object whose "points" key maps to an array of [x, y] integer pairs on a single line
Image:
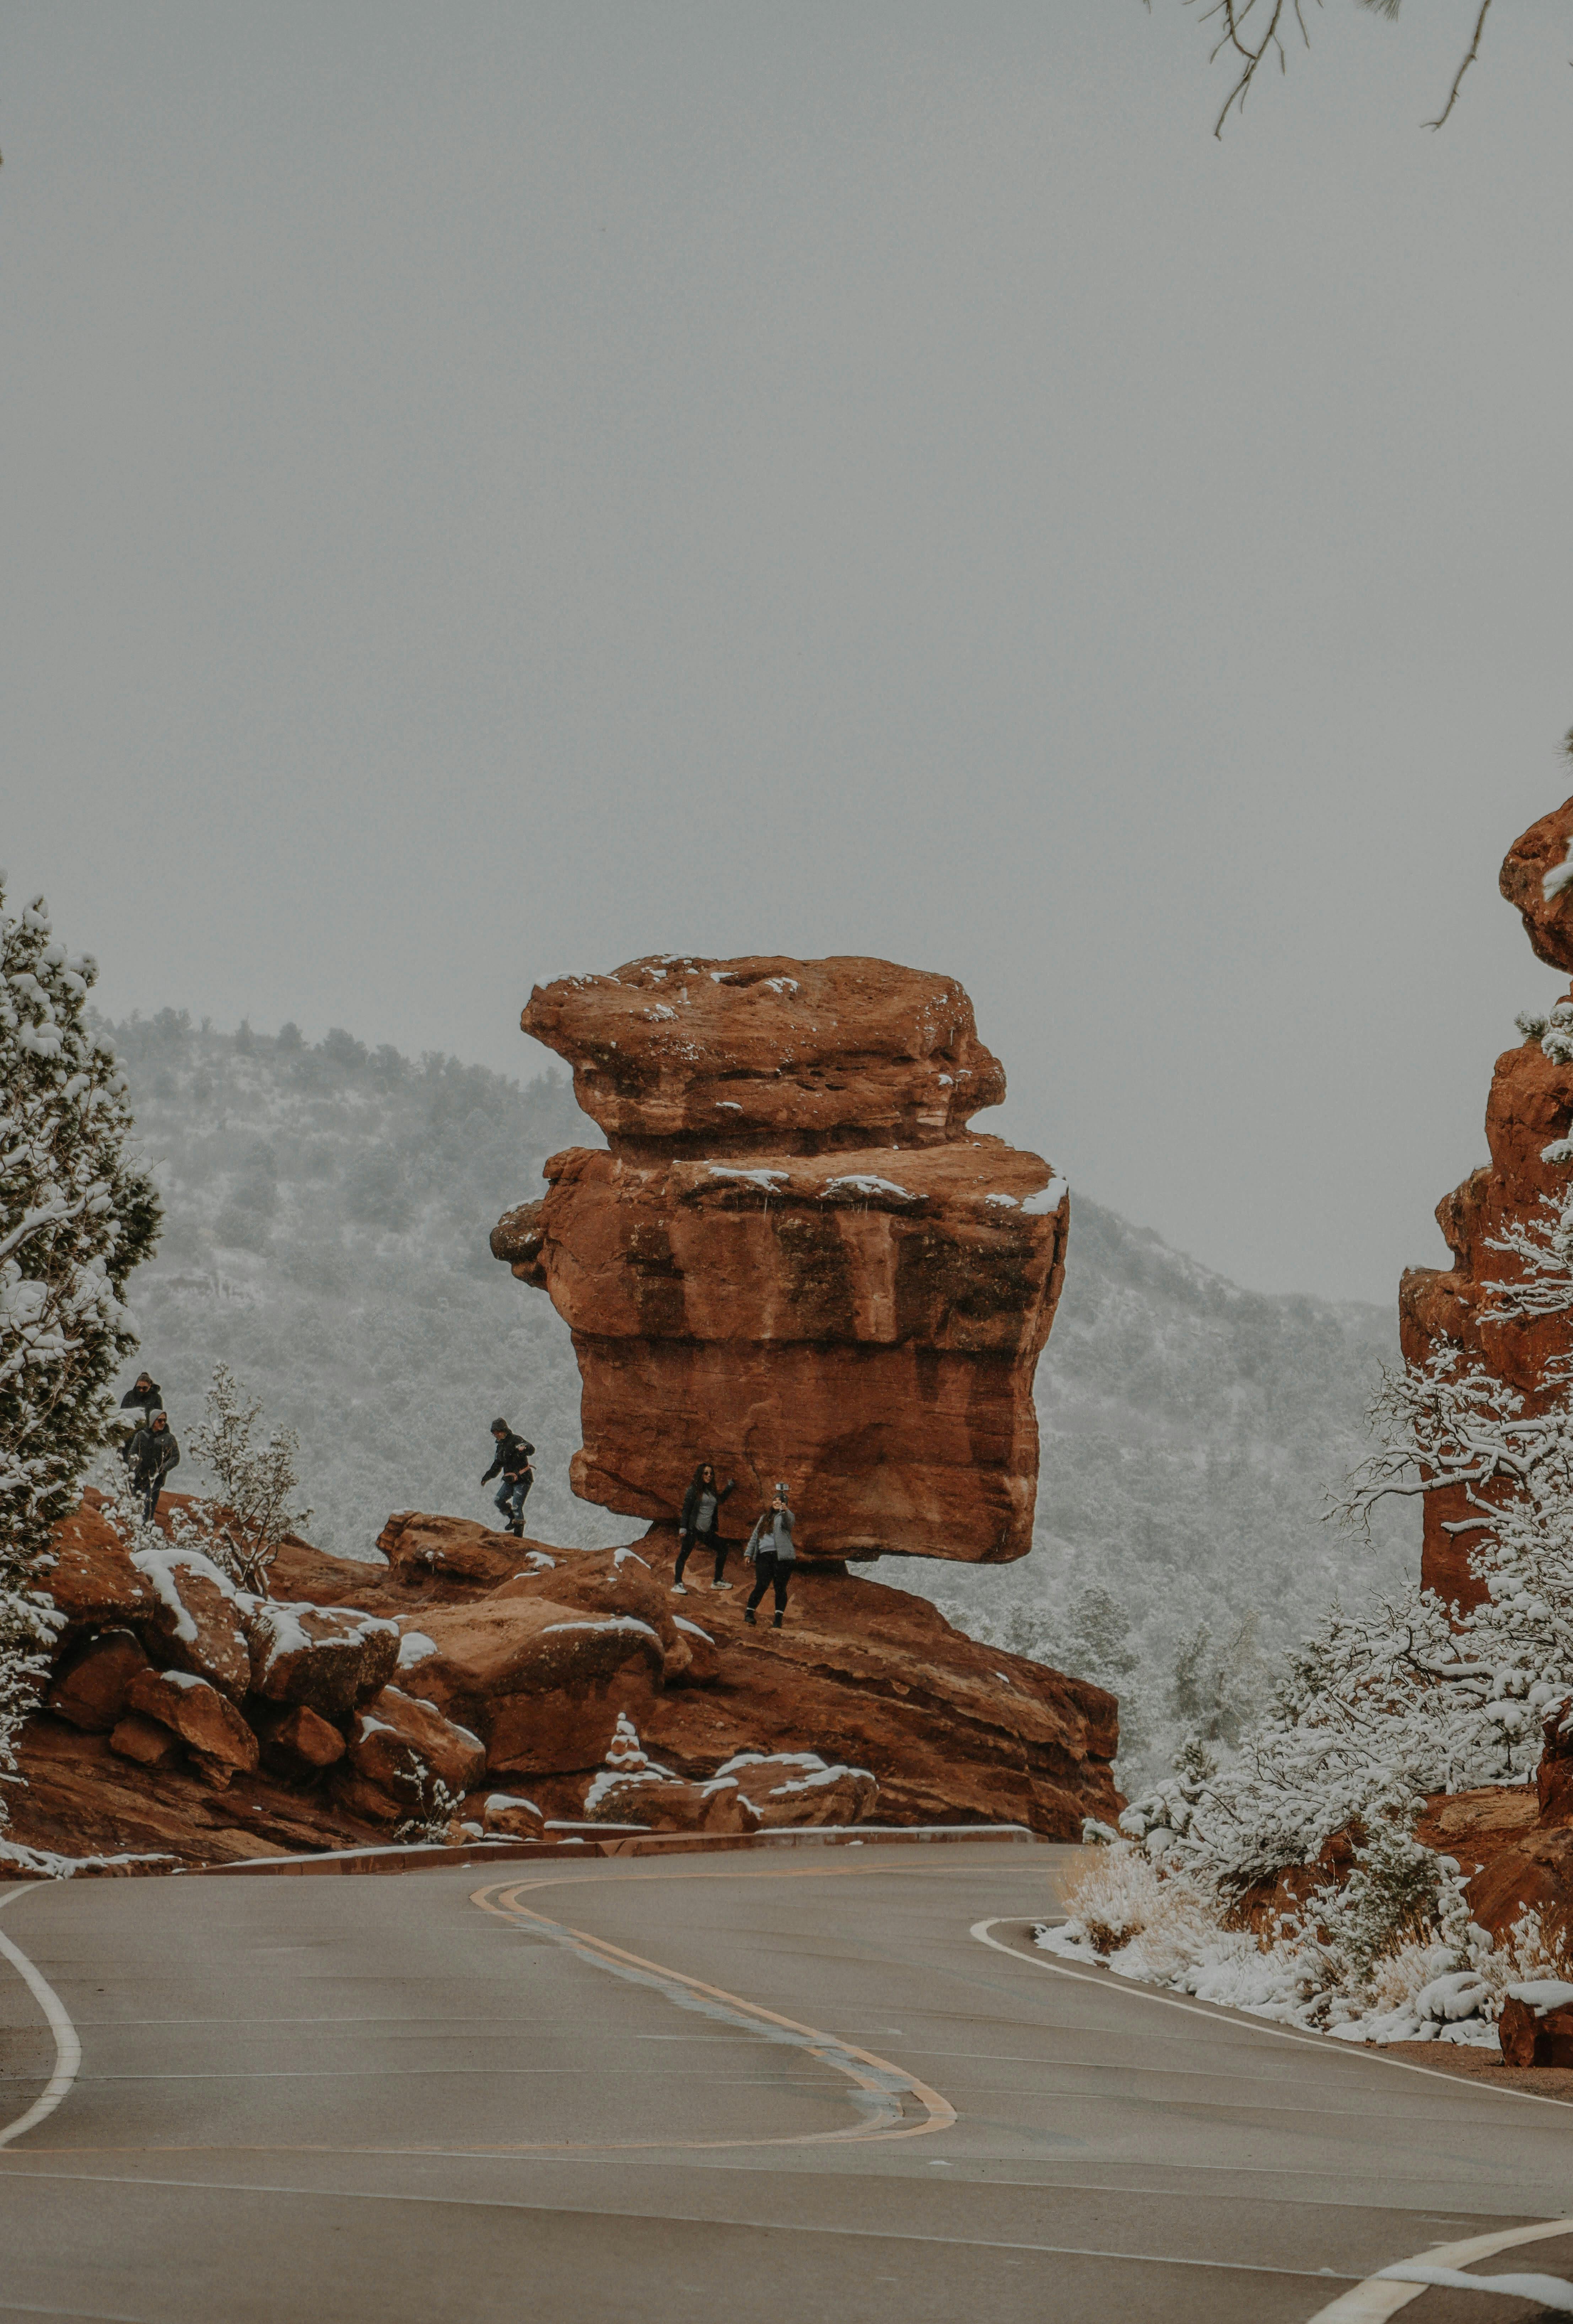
{"points": [[328, 1216]]}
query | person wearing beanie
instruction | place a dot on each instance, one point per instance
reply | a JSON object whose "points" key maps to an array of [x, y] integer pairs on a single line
{"points": [[152, 1454], [512, 1462]]}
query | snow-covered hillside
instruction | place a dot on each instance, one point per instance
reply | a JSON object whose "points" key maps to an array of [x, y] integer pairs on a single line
{"points": [[328, 1211]]}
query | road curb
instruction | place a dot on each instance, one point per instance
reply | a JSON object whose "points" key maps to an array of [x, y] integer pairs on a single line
{"points": [[421, 1858]]}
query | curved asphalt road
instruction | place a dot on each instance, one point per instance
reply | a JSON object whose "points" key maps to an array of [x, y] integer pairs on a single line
{"points": [[759, 2088]]}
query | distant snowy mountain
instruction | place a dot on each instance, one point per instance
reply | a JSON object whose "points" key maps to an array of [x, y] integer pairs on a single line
{"points": [[329, 1210]]}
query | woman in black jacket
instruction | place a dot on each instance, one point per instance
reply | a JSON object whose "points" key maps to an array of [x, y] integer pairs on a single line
{"points": [[701, 1513]]}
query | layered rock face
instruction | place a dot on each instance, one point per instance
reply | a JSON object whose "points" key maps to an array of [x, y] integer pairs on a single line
{"points": [[1529, 1108], [794, 1258]]}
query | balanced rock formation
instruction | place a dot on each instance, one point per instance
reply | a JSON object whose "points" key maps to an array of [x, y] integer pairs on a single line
{"points": [[793, 1258], [1530, 1110]]}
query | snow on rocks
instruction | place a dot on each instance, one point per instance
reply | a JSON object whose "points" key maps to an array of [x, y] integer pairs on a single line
{"points": [[752, 1791], [331, 1658], [399, 1752], [513, 1817], [196, 1618], [207, 1723]]}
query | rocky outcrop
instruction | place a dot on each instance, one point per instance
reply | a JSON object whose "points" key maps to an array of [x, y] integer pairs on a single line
{"points": [[794, 1258], [1529, 1108], [865, 1686]]}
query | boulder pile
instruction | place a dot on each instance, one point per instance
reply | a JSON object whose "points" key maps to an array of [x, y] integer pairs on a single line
{"points": [[475, 1685], [793, 1258]]}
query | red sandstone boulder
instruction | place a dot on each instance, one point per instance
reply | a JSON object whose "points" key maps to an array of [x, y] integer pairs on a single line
{"points": [[195, 1621], [512, 1817], [730, 1054], [207, 1723], [786, 1789], [90, 1575], [534, 1675], [400, 1751], [608, 1581], [333, 1659], [146, 1740], [422, 1548], [1541, 855], [303, 1734], [90, 1688], [1536, 2024]]}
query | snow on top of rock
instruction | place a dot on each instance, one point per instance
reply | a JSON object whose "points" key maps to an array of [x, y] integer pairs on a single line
{"points": [[159, 1567], [693, 1628], [497, 1802], [1542, 1993], [414, 1647], [768, 1180], [865, 1182], [1048, 1198]]}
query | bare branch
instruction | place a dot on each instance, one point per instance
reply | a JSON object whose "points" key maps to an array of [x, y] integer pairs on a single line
{"points": [[1469, 56]]}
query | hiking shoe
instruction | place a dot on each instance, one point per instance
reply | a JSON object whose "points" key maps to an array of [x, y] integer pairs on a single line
{"points": [[776, 1622], [722, 1585], [749, 1618], [679, 1590]]}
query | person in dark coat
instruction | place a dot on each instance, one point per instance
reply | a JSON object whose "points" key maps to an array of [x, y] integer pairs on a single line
{"points": [[772, 1552], [701, 1514], [513, 1464], [152, 1454], [144, 1399]]}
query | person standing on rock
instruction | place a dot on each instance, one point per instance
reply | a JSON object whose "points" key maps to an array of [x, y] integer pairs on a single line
{"points": [[772, 1552], [143, 1399], [513, 1465], [701, 1514], [152, 1454]]}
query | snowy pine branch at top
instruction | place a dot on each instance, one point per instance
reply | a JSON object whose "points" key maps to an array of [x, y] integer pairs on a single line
{"points": [[257, 1483]]}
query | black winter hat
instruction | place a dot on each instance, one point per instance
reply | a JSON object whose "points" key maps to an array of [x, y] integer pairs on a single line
{"points": [[499, 1425]]}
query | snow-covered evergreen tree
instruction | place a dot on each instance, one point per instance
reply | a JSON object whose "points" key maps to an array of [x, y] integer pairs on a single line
{"points": [[78, 1212]]}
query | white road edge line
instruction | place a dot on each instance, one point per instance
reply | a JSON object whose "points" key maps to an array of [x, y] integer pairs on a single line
{"points": [[68, 2048], [1240, 2025], [1374, 2299]]}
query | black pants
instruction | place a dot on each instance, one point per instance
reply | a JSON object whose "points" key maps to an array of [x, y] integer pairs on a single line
{"points": [[701, 1541], [152, 1487], [771, 1573]]}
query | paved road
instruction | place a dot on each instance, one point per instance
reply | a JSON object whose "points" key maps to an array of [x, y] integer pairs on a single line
{"points": [[763, 2088]]}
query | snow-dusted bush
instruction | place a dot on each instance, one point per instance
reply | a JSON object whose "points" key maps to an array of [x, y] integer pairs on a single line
{"points": [[1406, 1696], [77, 1214], [241, 1532], [1392, 1956]]}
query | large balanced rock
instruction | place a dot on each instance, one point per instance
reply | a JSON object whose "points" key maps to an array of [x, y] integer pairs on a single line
{"points": [[195, 1617], [795, 1257], [1528, 1114]]}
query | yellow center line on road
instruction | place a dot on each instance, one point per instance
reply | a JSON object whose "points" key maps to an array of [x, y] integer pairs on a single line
{"points": [[879, 2081]]}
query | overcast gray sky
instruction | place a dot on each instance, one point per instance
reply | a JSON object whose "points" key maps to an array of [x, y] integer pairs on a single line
{"points": [[489, 491]]}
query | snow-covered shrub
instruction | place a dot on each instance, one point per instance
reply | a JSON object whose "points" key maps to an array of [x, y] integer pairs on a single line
{"points": [[437, 1810], [77, 1214], [257, 1482]]}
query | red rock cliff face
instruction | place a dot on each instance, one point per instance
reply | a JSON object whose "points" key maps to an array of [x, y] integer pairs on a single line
{"points": [[1530, 1107], [795, 1259]]}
